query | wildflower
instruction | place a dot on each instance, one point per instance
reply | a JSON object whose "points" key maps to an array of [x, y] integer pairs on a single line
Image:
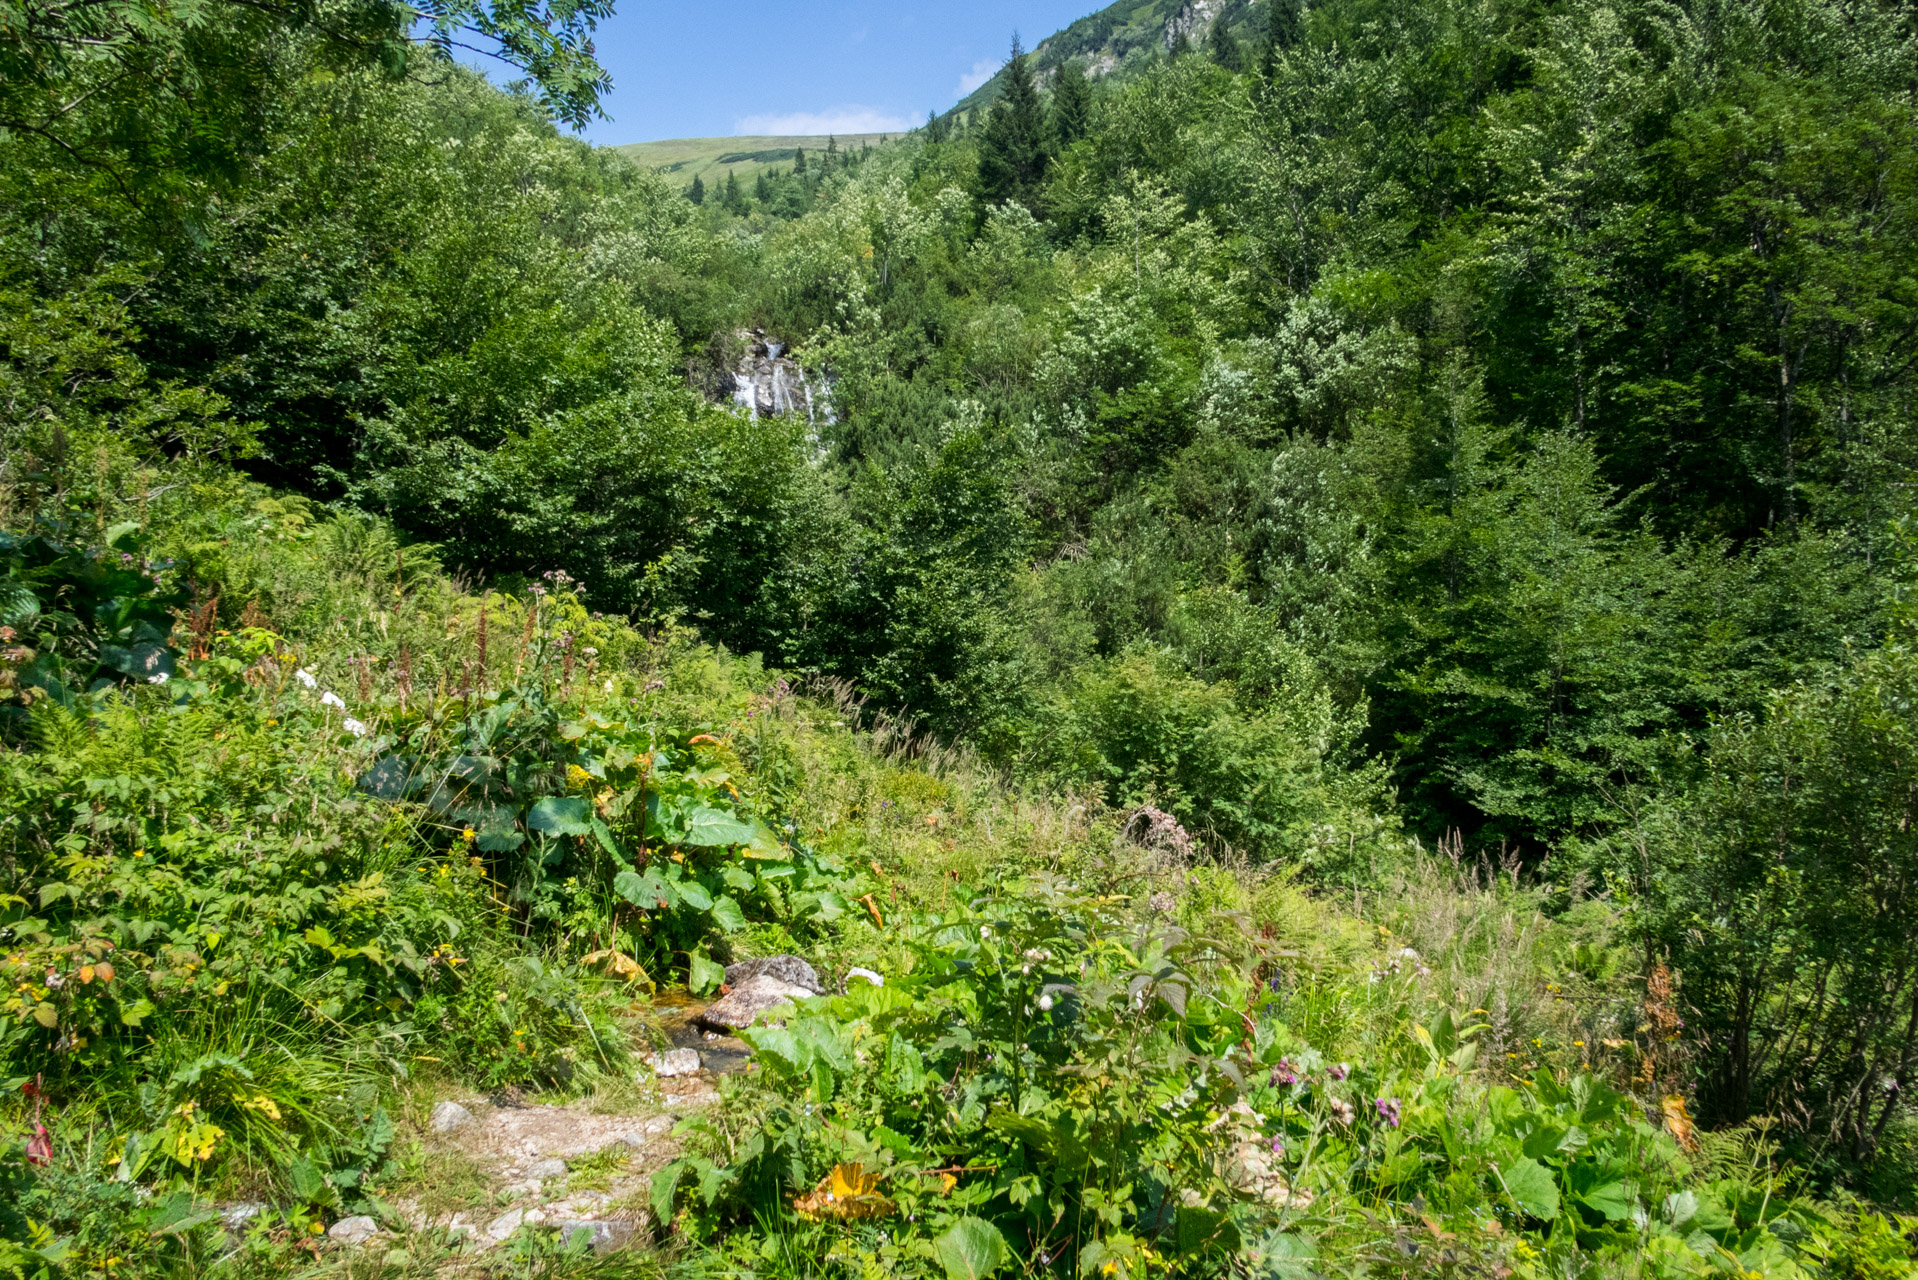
{"points": [[158, 677], [1278, 1148], [1275, 984], [1162, 902], [1388, 1110], [985, 931], [1284, 1074], [1342, 1111], [1340, 1072], [306, 678], [354, 727], [331, 699], [1045, 1004]]}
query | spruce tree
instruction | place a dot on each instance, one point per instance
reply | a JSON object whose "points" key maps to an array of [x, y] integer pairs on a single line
{"points": [[832, 153], [1284, 27], [1224, 47], [762, 192], [1012, 157], [734, 199], [1071, 105], [1180, 46], [698, 192], [799, 160]]}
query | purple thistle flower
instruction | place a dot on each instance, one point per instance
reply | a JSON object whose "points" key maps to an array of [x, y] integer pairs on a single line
{"points": [[1388, 1110], [1339, 1072], [1285, 1073]]}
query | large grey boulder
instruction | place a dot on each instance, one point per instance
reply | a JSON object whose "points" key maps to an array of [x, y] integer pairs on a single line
{"points": [[788, 969], [449, 1116], [752, 1000], [355, 1230]]}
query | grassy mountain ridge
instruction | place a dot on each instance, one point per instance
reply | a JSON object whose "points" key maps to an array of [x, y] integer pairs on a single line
{"points": [[682, 159]]}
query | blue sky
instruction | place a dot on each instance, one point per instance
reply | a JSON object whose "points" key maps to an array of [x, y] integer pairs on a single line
{"points": [[687, 70]]}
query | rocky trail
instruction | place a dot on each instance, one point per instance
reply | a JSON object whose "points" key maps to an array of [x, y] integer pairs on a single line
{"points": [[492, 1167]]}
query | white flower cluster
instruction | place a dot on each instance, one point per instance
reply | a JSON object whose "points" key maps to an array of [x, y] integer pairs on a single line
{"points": [[329, 699]]}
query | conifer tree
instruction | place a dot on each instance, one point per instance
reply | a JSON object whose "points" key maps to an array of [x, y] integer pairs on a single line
{"points": [[697, 194], [832, 153], [1223, 47], [762, 192], [1284, 26], [1180, 46], [734, 199], [799, 160], [1012, 157], [1071, 105]]}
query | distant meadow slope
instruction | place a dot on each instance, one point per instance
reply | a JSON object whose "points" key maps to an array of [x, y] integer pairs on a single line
{"points": [[680, 160]]}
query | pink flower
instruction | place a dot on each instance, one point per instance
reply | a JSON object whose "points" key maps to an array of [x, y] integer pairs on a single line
{"points": [[1388, 1110]]}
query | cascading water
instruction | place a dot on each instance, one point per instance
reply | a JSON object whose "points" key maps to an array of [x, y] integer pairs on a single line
{"points": [[782, 403], [746, 394]]}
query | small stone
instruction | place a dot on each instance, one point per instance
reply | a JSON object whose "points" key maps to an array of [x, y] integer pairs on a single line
{"points": [[534, 1217], [603, 1237], [235, 1217], [789, 969], [546, 1170], [356, 1230], [506, 1224], [674, 1062], [449, 1116], [752, 999], [866, 974]]}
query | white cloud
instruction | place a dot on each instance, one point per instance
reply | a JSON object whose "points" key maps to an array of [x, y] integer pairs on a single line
{"points": [[982, 71], [800, 124]]}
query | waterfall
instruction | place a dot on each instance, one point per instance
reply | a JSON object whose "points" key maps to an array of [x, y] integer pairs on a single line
{"points": [[774, 348], [781, 404], [746, 393]]}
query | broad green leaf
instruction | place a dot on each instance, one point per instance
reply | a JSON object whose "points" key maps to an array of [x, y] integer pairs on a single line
{"points": [[704, 975], [1613, 1199], [727, 915], [694, 895], [970, 1249], [604, 834], [711, 828], [1533, 1188], [560, 816], [665, 1187]]}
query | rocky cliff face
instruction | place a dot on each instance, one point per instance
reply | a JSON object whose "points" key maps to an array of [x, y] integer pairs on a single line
{"points": [[771, 384], [1193, 20]]}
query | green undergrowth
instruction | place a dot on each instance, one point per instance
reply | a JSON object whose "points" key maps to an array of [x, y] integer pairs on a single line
{"points": [[348, 834]]}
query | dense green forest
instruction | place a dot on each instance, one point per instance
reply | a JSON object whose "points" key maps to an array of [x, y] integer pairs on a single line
{"points": [[1334, 623]]}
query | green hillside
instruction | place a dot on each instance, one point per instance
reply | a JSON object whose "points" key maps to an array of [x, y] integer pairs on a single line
{"points": [[681, 159]]}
